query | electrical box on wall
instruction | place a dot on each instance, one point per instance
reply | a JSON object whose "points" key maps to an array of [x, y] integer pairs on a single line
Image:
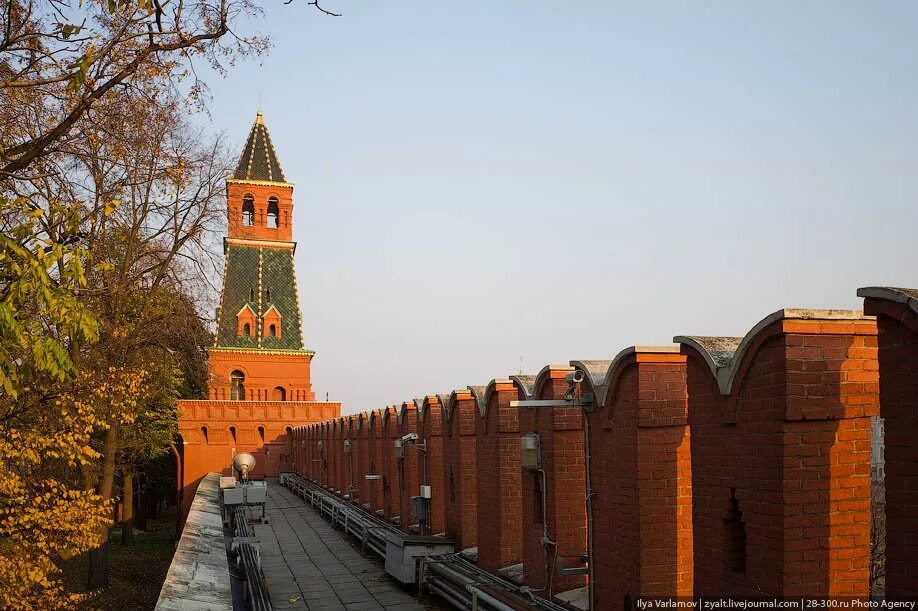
{"points": [[530, 452], [347, 446], [425, 492], [399, 449], [420, 507]]}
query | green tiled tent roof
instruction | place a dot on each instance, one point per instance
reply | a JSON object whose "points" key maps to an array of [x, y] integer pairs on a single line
{"points": [[258, 160], [259, 277]]}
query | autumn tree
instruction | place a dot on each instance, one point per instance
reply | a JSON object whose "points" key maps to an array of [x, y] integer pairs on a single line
{"points": [[153, 253], [98, 253], [45, 418], [177, 368], [60, 58], [78, 182]]}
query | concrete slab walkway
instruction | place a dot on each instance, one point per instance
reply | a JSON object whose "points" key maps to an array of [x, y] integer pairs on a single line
{"points": [[309, 562]]}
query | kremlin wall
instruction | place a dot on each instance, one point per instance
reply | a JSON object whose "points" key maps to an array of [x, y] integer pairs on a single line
{"points": [[712, 466]]}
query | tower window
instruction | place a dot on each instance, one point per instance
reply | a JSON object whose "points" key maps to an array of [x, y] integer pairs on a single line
{"points": [[247, 329], [272, 330], [280, 394], [261, 433], [204, 434], [233, 433], [273, 212], [237, 386], [248, 210]]}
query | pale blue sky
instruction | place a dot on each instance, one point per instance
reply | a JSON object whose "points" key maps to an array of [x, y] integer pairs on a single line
{"points": [[479, 181]]}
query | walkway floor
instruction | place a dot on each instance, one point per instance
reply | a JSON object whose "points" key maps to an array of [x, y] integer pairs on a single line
{"points": [[308, 562]]}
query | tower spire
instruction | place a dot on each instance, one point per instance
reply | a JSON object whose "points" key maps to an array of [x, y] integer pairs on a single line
{"points": [[259, 159]]}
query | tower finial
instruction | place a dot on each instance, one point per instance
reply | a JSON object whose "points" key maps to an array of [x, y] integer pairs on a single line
{"points": [[259, 118]]}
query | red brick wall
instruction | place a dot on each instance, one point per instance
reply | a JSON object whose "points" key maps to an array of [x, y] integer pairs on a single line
{"points": [[272, 453], [789, 447], [350, 475], [307, 451], [321, 455], [331, 453], [459, 470], [331, 456], [311, 451], [390, 470], [340, 457], [362, 459], [561, 432], [328, 453], [430, 463], [304, 435], [498, 454], [321, 458], [377, 466], [315, 465], [408, 468], [898, 356], [641, 479], [297, 447]]}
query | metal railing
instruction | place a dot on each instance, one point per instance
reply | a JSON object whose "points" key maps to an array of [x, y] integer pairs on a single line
{"points": [[451, 577]]}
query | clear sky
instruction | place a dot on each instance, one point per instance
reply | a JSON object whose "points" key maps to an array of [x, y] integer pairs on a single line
{"points": [[479, 182]]}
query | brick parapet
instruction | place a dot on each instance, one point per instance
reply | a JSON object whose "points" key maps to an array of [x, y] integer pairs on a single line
{"points": [[897, 317], [408, 466], [390, 432], [562, 450], [459, 469], [781, 457], [498, 454], [430, 463], [641, 476]]}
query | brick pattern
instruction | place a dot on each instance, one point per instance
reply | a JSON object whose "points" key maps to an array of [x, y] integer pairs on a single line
{"points": [[780, 468], [898, 355], [641, 478], [361, 446], [390, 464], [754, 484], [562, 448], [376, 465], [408, 468], [430, 463], [352, 436], [498, 481], [459, 470], [338, 482]]}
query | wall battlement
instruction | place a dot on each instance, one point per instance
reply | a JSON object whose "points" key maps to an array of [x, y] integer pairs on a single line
{"points": [[717, 465]]}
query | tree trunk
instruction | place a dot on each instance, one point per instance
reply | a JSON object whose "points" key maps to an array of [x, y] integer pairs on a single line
{"points": [[127, 513], [98, 557], [143, 502], [98, 566]]}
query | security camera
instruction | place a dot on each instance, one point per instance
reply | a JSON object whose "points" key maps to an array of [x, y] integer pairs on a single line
{"points": [[573, 378], [409, 437]]}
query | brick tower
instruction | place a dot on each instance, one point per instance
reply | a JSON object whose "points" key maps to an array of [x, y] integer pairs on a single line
{"points": [[258, 354], [259, 386]]}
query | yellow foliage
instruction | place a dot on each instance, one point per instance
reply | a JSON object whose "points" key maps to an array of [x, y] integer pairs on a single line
{"points": [[43, 518]]}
